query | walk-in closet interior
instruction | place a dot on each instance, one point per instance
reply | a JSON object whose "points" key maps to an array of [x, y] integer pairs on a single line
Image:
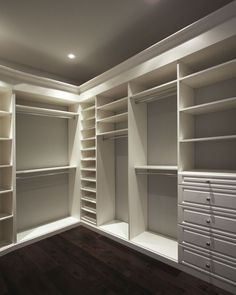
{"points": [[144, 154]]}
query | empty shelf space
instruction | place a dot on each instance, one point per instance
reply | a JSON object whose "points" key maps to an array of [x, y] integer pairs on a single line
{"points": [[211, 75], [155, 93], [4, 113], [88, 119], [164, 246], [89, 199], [44, 169], [114, 119], [213, 138], [89, 189], [88, 128], [89, 109], [44, 112], [157, 167], [119, 132], [220, 105], [88, 179], [116, 105], [116, 228], [88, 209], [4, 216], [46, 229]]}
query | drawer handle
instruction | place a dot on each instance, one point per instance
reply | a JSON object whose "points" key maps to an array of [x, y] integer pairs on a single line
{"points": [[208, 199], [208, 221], [208, 243], [208, 265], [208, 181]]}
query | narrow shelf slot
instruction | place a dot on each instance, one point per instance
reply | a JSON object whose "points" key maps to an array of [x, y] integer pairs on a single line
{"points": [[87, 209], [89, 199], [88, 169], [29, 110], [116, 105], [114, 133], [88, 179], [89, 219], [211, 75], [220, 105], [89, 189]]}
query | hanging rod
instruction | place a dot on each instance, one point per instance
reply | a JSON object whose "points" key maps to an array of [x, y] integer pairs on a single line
{"points": [[164, 94], [115, 137], [156, 173], [46, 115], [41, 175]]}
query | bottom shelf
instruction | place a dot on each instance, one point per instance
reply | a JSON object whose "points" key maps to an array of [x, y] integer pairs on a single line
{"points": [[46, 229], [164, 246], [116, 228]]}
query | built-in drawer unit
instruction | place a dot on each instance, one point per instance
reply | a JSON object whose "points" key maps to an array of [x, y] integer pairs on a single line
{"points": [[209, 264], [207, 218], [210, 242], [218, 199]]}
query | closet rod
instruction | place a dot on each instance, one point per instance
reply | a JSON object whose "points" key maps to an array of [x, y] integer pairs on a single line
{"points": [[156, 97], [115, 137], [156, 173], [46, 115], [41, 175]]}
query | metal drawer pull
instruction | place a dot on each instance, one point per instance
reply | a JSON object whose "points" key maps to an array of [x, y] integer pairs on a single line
{"points": [[208, 265], [208, 221], [208, 243], [208, 181], [208, 199]]}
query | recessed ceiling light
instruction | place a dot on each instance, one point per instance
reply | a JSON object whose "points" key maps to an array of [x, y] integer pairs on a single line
{"points": [[71, 56]]}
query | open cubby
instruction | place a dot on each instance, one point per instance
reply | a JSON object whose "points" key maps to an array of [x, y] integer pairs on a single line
{"points": [[112, 186], [5, 152], [153, 171], [5, 178], [6, 127], [6, 232], [6, 201]]}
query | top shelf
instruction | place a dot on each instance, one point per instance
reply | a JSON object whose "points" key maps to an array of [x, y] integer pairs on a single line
{"points": [[211, 75], [159, 92], [44, 112], [116, 105]]}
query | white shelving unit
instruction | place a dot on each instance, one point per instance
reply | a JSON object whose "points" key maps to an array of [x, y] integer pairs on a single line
{"points": [[47, 185], [88, 172]]}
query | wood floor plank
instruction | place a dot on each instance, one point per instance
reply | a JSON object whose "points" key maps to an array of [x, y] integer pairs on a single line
{"points": [[80, 261]]}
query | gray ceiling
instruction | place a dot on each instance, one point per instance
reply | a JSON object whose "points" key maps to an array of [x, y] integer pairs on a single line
{"points": [[36, 36]]}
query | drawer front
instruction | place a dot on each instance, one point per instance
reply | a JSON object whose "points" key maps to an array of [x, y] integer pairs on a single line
{"points": [[210, 198], [209, 220], [208, 242], [210, 265], [208, 182]]}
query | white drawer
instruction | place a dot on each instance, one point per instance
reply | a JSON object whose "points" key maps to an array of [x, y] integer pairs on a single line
{"points": [[207, 219], [209, 242], [210, 265], [207, 181], [192, 195]]}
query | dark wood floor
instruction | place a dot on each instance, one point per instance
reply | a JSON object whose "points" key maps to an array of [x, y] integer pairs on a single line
{"points": [[80, 261]]}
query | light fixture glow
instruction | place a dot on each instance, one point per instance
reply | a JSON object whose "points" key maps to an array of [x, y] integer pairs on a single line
{"points": [[71, 56]]}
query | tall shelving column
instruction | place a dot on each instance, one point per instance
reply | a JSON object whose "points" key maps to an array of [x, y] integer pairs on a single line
{"points": [[7, 192], [88, 161]]}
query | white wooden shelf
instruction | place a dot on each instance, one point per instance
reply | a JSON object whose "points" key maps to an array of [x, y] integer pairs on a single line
{"points": [[5, 166], [117, 228], [88, 159], [164, 246], [89, 219], [4, 113], [114, 119], [44, 112], [5, 244], [156, 167], [5, 216], [88, 139], [209, 173], [116, 105], [213, 138], [219, 105], [155, 93], [5, 138], [44, 169], [114, 132], [42, 230], [90, 179], [89, 199], [87, 209], [211, 75], [92, 169], [89, 109], [88, 149], [5, 191], [88, 189]]}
